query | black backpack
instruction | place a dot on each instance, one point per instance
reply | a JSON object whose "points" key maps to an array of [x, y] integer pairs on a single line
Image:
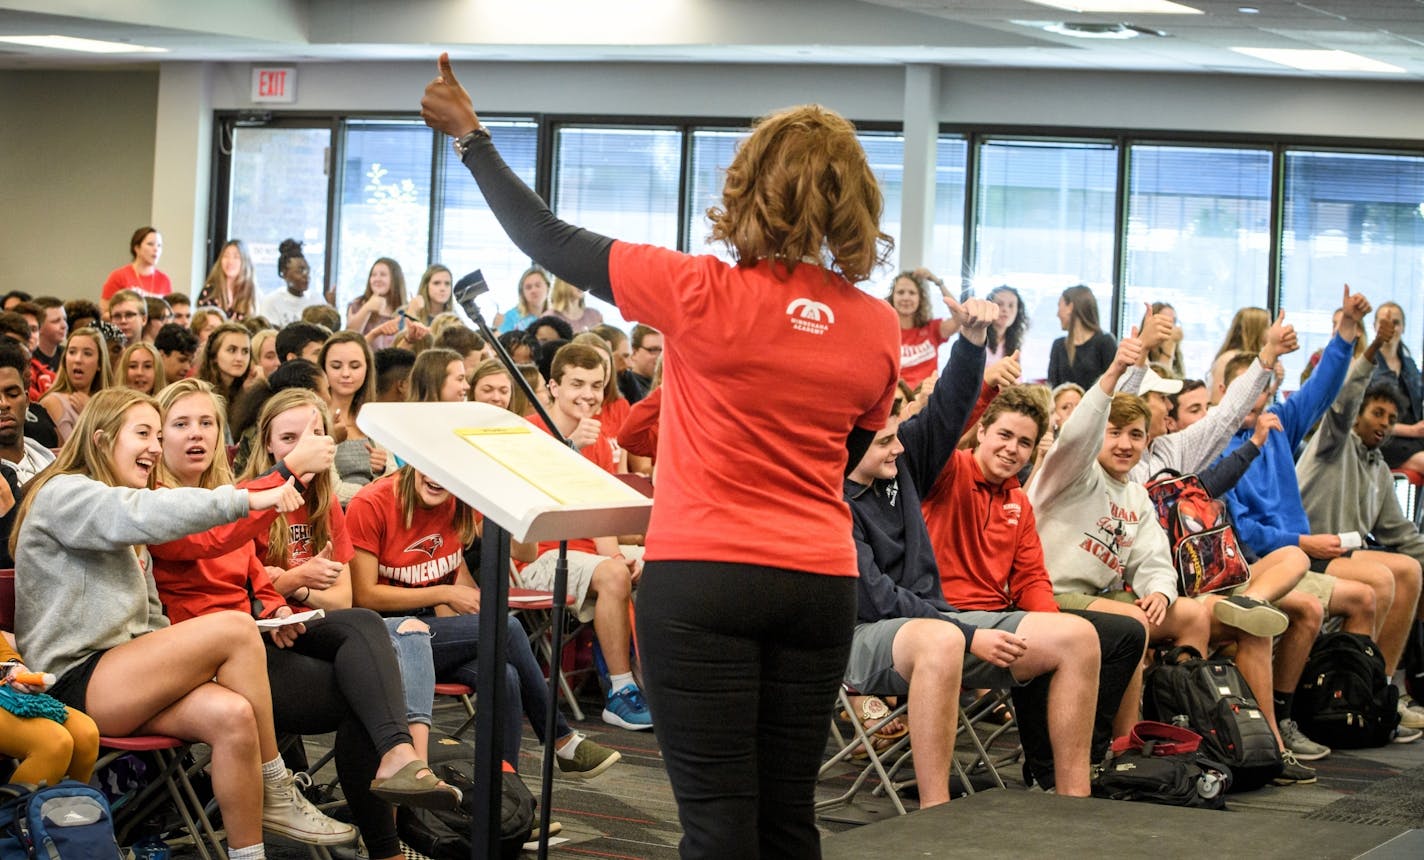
{"points": [[1212, 699], [1159, 763], [445, 834], [1344, 699]]}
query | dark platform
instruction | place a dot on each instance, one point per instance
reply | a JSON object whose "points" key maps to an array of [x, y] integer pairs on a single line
{"points": [[1019, 824]]}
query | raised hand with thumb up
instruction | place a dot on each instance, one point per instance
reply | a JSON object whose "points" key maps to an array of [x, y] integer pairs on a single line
{"points": [[283, 499], [1004, 372], [314, 451], [446, 107]]}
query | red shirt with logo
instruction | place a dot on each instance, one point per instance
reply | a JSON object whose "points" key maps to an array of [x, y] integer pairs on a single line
{"points": [[765, 373], [299, 544], [427, 552], [919, 352], [985, 541]]}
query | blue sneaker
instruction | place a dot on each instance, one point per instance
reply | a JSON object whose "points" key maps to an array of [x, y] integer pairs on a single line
{"points": [[627, 709]]}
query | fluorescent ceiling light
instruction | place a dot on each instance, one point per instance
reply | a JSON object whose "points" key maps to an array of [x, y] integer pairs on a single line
{"points": [[1319, 61], [1121, 7], [90, 46]]}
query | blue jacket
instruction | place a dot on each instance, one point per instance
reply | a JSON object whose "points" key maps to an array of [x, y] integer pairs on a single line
{"points": [[898, 574], [1266, 501]]}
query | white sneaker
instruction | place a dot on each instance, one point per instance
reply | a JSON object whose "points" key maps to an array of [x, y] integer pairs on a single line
{"points": [[1410, 713], [1406, 735], [287, 812]]}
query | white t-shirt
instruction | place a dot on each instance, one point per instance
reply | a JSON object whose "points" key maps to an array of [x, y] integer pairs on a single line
{"points": [[280, 307]]}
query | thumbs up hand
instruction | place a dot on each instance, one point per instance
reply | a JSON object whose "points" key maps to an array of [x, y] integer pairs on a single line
{"points": [[446, 106]]}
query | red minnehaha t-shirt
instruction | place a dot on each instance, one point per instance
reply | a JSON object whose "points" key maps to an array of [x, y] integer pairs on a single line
{"points": [[919, 352], [299, 543], [764, 379], [425, 553], [125, 278], [600, 454]]}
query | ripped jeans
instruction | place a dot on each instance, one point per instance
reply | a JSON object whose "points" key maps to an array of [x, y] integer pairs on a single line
{"points": [[417, 666]]}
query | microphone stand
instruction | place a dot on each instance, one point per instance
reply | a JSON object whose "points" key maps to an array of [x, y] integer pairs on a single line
{"points": [[494, 581]]}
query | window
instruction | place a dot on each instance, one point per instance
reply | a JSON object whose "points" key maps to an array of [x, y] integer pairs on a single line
{"points": [[1198, 238], [621, 182], [1045, 223], [948, 251], [885, 152], [384, 201], [1355, 218], [469, 237], [712, 151], [278, 189]]}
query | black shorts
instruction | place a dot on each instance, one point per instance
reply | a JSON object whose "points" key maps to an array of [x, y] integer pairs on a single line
{"points": [[1318, 565], [74, 684]]}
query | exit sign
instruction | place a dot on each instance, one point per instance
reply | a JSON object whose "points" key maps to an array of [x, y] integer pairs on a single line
{"points": [[274, 84]]}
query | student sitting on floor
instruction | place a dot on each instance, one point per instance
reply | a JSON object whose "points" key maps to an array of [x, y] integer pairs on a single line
{"points": [[908, 640], [1346, 486], [601, 575]]}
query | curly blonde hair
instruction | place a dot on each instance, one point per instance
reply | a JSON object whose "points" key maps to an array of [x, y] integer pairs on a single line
{"points": [[799, 188]]}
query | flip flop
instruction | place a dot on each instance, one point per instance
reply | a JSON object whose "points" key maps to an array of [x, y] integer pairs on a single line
{"points": [[423, 792]]}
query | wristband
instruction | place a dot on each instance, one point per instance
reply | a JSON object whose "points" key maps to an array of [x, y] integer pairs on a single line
{"points": [[303, 598], [286, 472]]}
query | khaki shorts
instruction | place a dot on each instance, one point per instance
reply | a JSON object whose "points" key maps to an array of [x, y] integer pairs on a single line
{"points": [[1320, 586], [1073, 600]]}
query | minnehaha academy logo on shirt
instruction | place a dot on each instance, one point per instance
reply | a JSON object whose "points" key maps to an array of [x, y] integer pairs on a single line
{"points": [[428, 544], [422, 573], [1012, 512], [810, 316]]}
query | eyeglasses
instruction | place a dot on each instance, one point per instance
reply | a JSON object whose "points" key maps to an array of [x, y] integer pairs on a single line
{"points": [[125, 315]]}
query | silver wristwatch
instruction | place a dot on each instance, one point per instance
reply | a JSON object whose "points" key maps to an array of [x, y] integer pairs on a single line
{"points": [[463, 144]]}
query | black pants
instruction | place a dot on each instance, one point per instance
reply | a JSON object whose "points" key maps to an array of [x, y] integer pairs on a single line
{"points": [[741, 665], [1121, 640], [342, 676]]}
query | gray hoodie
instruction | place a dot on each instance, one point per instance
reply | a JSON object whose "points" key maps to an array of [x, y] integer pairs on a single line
{"points": [[79, 585]]}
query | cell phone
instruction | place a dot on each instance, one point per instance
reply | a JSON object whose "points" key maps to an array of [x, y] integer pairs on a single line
{"points": [[6, 667]]}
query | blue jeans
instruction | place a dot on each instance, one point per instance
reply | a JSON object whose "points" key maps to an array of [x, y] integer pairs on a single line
{"points": [[454, 644], [417, 668]]}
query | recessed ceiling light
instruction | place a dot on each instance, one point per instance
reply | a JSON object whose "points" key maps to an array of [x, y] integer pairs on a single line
{"points": [[1089, 30], [1121, 7], [1248, 10], [1319, 61], [90, 46]]}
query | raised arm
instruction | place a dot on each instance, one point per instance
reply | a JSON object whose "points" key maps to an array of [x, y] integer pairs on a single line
{"points": [[577, 255]]}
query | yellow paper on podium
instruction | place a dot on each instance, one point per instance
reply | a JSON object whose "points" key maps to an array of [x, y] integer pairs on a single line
{"points": [[524, 451]]}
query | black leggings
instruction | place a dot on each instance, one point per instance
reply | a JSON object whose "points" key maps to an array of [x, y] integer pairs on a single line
{"points": [[1120, 640], [741, 664], [342, 676]]}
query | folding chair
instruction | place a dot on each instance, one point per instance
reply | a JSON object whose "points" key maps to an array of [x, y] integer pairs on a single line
{"points": [[885, 765], [173, 778], [537, 607], [971, 717], [463, 693]]}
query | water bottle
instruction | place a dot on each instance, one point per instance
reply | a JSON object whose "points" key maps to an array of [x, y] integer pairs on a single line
{"points": [[151, 848]]}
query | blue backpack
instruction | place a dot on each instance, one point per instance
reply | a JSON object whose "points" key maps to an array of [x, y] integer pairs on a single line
{"points": [[68, 820]]}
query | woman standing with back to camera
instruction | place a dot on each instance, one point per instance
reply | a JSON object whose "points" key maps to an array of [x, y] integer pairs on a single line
{"points": [[726, 637]]}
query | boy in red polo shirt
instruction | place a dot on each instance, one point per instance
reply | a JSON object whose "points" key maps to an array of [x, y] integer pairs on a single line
{"points": [[601, 577]]}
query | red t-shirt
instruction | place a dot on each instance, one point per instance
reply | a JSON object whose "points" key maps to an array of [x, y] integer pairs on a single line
{"points": [[919, 352], [125, 278], [613, 416], [600, 454], [427, 552], [299, 544], [764, 379]]}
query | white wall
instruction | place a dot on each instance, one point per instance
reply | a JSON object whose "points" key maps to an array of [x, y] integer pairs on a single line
{"points": [[76, 176]]}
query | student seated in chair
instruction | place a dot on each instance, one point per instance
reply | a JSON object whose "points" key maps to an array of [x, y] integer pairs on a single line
{"points": [[1346, 486], [601, 575], [908, 639]]}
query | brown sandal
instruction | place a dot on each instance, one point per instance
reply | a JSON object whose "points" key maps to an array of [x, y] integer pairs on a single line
{"points": [[423, 792]]}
